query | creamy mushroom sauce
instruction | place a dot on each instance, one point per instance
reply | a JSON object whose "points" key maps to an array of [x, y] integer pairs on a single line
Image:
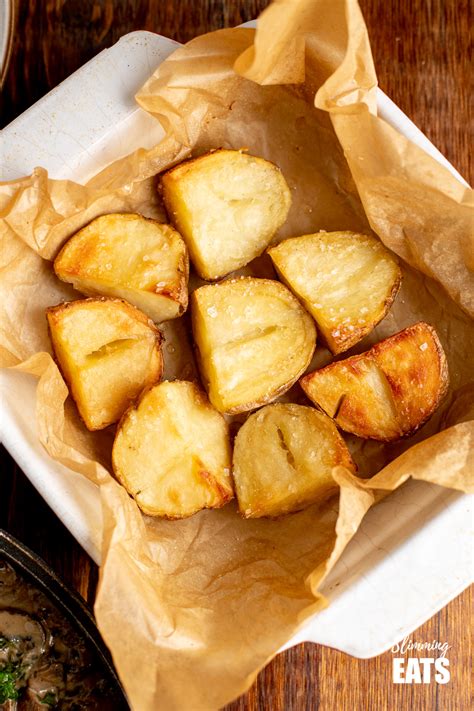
{"points": [[44, 661]]}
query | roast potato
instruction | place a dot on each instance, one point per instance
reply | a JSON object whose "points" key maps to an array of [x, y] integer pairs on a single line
{"points": [[130, 257], [172, 452], [389, 391], [254, 340], [347, 281], [108, 351], [283, 458], [227, 205]]}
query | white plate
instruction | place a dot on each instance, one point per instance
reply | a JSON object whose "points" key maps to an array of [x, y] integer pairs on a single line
{"points": [[412, 554]]}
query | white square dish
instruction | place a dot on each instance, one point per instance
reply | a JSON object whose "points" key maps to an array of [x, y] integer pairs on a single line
{"points": [[413, 551]]}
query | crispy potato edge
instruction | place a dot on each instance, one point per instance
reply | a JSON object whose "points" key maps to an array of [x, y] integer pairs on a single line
{"points": [[350, 338], [444, 380], [179, 295], [358, 334], [255, 515], [129, 216], [132, 310], [442, 365], [185, 164]]}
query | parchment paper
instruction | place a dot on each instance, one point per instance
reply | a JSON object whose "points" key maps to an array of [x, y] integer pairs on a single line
{"points": [[193, 609]]}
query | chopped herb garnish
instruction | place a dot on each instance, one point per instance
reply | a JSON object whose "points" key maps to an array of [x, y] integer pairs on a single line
{"points": [[9, 677], [49, 699]]}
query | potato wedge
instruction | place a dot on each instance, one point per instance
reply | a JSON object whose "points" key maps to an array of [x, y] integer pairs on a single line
{"points": [[388, 392], [227, 205], [130, 257], [254, 340], [108, 352], [347, 281], [172, 452], [283, 458]]}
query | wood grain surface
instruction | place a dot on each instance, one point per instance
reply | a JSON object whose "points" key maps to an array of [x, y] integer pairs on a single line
{"points": [[422, 54]]}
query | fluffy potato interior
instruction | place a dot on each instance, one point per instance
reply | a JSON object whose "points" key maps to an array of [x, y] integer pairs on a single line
{"points": [[227, 205], [347, 281], [172, 452], [108, 352], [283, 458], [130, 257], [254, 339], [387, 392]]}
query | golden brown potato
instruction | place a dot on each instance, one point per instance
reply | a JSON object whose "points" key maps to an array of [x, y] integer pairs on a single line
{"points": [[108, 352], [130, 257], [254, 340], [347, 281], [283, 459], [172, 452], [227, 205], [388, 392]]}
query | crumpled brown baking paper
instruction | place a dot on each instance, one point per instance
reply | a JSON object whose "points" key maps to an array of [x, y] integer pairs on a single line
{"points": [[193, 609]]}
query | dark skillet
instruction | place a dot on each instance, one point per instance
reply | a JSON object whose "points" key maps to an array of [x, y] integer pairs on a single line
{"points": [[70, 604]]}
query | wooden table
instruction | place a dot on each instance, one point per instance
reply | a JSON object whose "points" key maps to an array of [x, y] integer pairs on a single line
{"points": [[421, 55]]}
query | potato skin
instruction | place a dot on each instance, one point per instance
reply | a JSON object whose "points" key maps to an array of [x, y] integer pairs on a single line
{"points": [[347, 281], [91, 261], [137, 315], [348, 339], [283, 459], [401, 382], [158, 410], [224, 295], [69, 364], [408, 378], [209, 255]]}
